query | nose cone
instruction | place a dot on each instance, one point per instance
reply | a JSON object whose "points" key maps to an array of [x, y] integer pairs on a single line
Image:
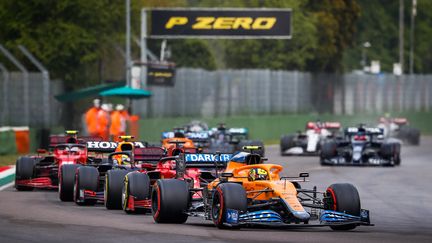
{"points": [[303, 216], [356, 156]]}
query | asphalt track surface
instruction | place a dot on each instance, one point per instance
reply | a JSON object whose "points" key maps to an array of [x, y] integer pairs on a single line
{"points": [[399, 199]]}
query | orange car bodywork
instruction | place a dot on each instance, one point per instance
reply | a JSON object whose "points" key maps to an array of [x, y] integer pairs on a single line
{"points": [[273, 188], [170, 142]]}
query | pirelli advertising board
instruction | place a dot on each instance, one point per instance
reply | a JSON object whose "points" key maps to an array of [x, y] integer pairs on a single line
{"points": [[220, 23]]}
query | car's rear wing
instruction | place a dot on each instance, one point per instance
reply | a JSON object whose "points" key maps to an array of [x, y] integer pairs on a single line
{"points": [[400, 121], [367, 130], [63, 139], [198, 136], [149, 154], [327, 125], [332, 125], [238, 131], [202, 160], [109, 147]]}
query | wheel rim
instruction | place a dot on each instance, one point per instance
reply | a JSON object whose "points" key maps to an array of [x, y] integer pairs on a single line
{"points": [[155, 203], [216, 208], [75, 189], [106, 190], [124, 197]]}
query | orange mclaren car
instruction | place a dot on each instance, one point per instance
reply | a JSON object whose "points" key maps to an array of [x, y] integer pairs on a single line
{"points": [[252, 192]]}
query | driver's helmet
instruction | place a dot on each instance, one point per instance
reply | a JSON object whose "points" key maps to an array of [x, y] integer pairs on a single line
{"points": [[124, 160], [221, 127], [258, 174], [319, 123], [196, 128]]}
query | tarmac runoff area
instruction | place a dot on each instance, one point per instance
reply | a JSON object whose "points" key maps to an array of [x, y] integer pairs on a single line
{"points": [[399, 200]]}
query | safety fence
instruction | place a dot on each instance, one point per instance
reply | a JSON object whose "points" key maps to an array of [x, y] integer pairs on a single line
{"points": [[37, 107]]}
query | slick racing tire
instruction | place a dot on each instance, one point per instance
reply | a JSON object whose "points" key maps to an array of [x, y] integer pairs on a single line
{"points": [[67, 182], [328, 150], [227, 196], [391, 151], [136, 185], [24, 171], [114, 180], [414, 136], [344, 198], [409, 135], [170, 199], [259, 143], [286, 142], [86, 178]]}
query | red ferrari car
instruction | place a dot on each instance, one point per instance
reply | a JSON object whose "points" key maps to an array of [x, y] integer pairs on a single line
{"points": [[44, 169]]}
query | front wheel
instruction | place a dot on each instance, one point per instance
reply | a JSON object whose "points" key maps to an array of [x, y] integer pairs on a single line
{"points": [[344, 198], [67, 181], [24, 170], [227, 196], [86, 178], [114, 180], [136, 185]]}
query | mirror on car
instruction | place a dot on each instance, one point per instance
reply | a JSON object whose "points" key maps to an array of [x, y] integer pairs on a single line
{"points": [[227, 174], [304, 174], [41, 151]]}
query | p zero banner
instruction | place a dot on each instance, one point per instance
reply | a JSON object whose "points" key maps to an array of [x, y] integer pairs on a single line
{"points": [[220, 23]]}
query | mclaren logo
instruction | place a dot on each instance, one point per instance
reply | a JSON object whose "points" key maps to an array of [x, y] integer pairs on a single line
{"points": [[222, 23]]}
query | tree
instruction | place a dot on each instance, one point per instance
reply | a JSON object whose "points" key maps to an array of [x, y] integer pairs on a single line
{"points": [[336, 24], [67, 36]]}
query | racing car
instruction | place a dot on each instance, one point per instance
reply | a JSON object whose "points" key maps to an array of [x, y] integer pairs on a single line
{"points": [[102, 182], [250, 192], [177, 136], [309, 141], [399, 128], [362, 146], [44, 169], [198, 170], [230, 140]]}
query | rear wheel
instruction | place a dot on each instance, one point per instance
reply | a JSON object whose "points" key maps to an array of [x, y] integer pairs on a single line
{"points": [[24, 171], [67, 181], [286, 142], [170, 200], [114, 180], [86, 178], [391, 151], [344, 198], [136, 185], [414, 136], [227, 196], [328, 150]]}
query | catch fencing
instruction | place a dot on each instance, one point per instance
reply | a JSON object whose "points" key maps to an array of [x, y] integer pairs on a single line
{"points": [[199, 92], [13, 100]]}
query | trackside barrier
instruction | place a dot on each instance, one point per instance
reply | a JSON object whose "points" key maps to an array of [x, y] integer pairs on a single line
{"points": [[14, 140]]}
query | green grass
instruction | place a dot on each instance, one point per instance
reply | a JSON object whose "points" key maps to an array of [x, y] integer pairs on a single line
{"points": [[8, 159], [269, 128]]}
